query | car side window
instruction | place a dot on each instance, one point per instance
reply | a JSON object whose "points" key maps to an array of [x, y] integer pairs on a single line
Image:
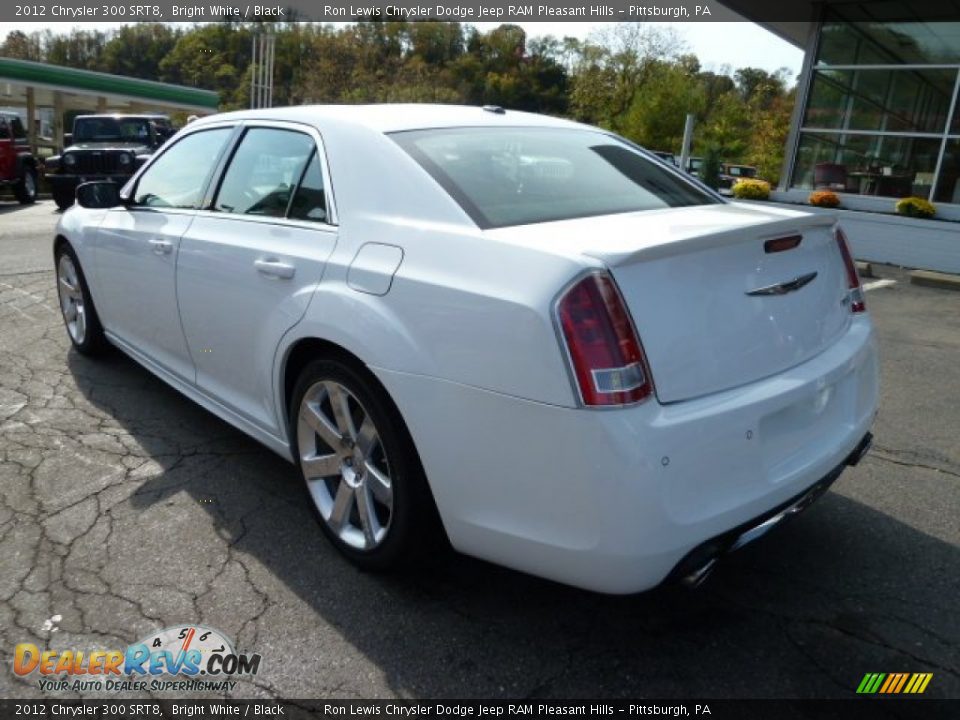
{"points": [[263, 172], [19, 132], [4, 130], [177, 178], [309, 202]]}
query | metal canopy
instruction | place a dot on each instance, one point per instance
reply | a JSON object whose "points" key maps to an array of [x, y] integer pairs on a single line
{"points": [[34, 85]]}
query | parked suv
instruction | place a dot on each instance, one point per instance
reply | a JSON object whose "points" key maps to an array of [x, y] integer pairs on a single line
{"points": [[105, 147], [18, 167], [730, 173]]}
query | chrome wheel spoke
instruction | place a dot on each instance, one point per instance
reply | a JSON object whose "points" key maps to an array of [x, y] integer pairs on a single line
{"points": [[321, 466], [341, 410], [315, 418], [367, 437], [81, 323], [379, 484], [342, 506], [368, 519]]}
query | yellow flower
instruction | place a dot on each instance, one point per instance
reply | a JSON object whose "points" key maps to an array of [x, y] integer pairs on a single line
{"points": [[916, 207], [751, 189]]}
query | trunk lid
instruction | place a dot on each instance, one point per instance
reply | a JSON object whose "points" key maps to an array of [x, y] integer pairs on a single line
{"points": [[715, 309]]}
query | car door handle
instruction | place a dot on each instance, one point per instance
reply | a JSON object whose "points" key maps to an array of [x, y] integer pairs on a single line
{"points": [[275, 268], [161, 247]]}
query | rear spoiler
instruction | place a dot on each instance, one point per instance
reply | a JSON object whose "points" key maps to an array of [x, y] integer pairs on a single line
{"points": [[703, 237]]}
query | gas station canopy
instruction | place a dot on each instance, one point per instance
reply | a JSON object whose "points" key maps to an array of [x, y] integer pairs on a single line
{"points": [[33, 85]]}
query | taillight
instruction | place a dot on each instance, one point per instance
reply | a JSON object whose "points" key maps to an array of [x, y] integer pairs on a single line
{"points": [[604, 350], [858, 303]]}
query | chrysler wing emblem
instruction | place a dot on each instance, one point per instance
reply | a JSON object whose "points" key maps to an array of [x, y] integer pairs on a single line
{"points": [[784, 287]]}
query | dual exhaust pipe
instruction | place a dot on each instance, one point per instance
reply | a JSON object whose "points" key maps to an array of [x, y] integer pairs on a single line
{"points": [[700, 563]]}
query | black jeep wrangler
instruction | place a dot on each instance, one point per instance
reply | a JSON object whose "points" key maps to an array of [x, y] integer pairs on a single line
{"points": [[104, 147], [18, 167]]}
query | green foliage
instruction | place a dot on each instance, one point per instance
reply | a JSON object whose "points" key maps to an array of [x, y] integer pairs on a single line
{"points": [[751, 189], [710, 170], [637, 79], [916, 207]]}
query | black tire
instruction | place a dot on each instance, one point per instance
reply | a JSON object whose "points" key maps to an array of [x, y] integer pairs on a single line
{"points": [[415, 534], [93, 342], [62, 197], [25, 191]]}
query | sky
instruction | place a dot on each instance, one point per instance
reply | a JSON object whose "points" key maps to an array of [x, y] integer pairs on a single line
{"points": [[737, 44]]}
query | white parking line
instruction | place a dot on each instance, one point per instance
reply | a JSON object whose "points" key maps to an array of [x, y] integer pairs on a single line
{"points": [[877, 284]]}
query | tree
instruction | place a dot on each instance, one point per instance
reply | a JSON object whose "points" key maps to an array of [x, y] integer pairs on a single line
{"points": [[20, 46], [138, 50]]}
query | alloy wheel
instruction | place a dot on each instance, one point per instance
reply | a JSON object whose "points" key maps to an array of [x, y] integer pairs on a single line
{"points": [[71, 299], [345, 465]]}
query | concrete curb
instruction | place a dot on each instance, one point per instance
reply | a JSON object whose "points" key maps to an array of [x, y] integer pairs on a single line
{"points": [[942, 281]]}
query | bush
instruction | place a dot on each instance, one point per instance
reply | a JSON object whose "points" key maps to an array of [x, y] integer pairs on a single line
{"points": [[710, 170], [751, 189], [916, 207], [824, 198]]}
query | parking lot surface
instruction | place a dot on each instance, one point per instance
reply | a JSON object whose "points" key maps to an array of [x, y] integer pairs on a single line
{"points": [[126, 508]]}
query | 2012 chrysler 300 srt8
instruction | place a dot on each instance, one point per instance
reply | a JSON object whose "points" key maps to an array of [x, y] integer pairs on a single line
{"points": [[523, 334]]}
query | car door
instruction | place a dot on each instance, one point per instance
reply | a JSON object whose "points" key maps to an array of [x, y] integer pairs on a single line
{"points": [[250, 261], [135, 254]]}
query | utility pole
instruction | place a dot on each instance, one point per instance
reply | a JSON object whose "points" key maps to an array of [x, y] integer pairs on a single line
{"points": [[687, 141], [261, 70]]}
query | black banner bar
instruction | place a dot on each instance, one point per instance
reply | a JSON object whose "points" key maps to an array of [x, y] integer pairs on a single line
{"points": [[801, 11], [873, 708]]}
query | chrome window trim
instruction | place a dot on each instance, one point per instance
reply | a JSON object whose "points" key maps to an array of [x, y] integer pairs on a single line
{"points": [[319, 147]]}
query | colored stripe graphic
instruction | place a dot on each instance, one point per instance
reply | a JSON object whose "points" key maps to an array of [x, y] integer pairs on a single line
{"points": [[892, 679], [903, 679], [894, 683]]}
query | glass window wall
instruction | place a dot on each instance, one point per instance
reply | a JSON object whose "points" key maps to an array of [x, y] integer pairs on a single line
{"points": [[883, 115]]}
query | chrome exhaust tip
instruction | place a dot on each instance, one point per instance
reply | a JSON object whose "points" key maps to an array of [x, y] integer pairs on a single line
{"points": [[698, 577]]}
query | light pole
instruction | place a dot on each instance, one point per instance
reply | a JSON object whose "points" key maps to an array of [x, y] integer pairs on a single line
{"points": [[261, 70]]}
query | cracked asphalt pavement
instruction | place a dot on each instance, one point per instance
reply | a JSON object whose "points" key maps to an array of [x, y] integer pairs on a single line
{"points": [[126, 508]]}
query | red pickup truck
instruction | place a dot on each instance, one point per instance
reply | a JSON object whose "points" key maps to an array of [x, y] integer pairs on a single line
{"points": [[18, 167]]}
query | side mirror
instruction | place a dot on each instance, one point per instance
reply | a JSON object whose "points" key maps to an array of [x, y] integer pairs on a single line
{"points": [[67, 139], [98, 195]]}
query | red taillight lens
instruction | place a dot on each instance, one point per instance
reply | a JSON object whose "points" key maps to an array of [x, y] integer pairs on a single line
{"points": [[606, 354], [858, 303]]}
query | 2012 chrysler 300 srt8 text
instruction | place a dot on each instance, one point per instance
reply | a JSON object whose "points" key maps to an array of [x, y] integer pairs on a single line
{"points": [[526, 336]]}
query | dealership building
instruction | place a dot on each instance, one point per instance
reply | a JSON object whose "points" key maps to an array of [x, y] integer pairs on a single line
{"points": [[877, 119]]}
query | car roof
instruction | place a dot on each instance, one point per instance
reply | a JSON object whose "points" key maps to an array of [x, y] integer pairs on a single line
{"points": [[387, 118]]}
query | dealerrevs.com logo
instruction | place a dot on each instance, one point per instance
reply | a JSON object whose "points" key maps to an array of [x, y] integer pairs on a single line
{"points": [[182, 658]]}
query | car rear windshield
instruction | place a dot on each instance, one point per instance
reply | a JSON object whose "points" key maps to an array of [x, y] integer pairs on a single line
{"points": [[517, 176]]}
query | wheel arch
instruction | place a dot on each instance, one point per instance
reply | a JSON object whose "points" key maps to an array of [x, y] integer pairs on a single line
{"points": [[300, 352]]}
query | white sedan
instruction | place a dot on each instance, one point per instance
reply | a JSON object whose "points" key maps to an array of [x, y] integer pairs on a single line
{"points": [[520, 334]]}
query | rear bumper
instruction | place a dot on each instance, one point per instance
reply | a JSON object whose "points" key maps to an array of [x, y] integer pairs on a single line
{"points": [[699, 562], [614, 500]]}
